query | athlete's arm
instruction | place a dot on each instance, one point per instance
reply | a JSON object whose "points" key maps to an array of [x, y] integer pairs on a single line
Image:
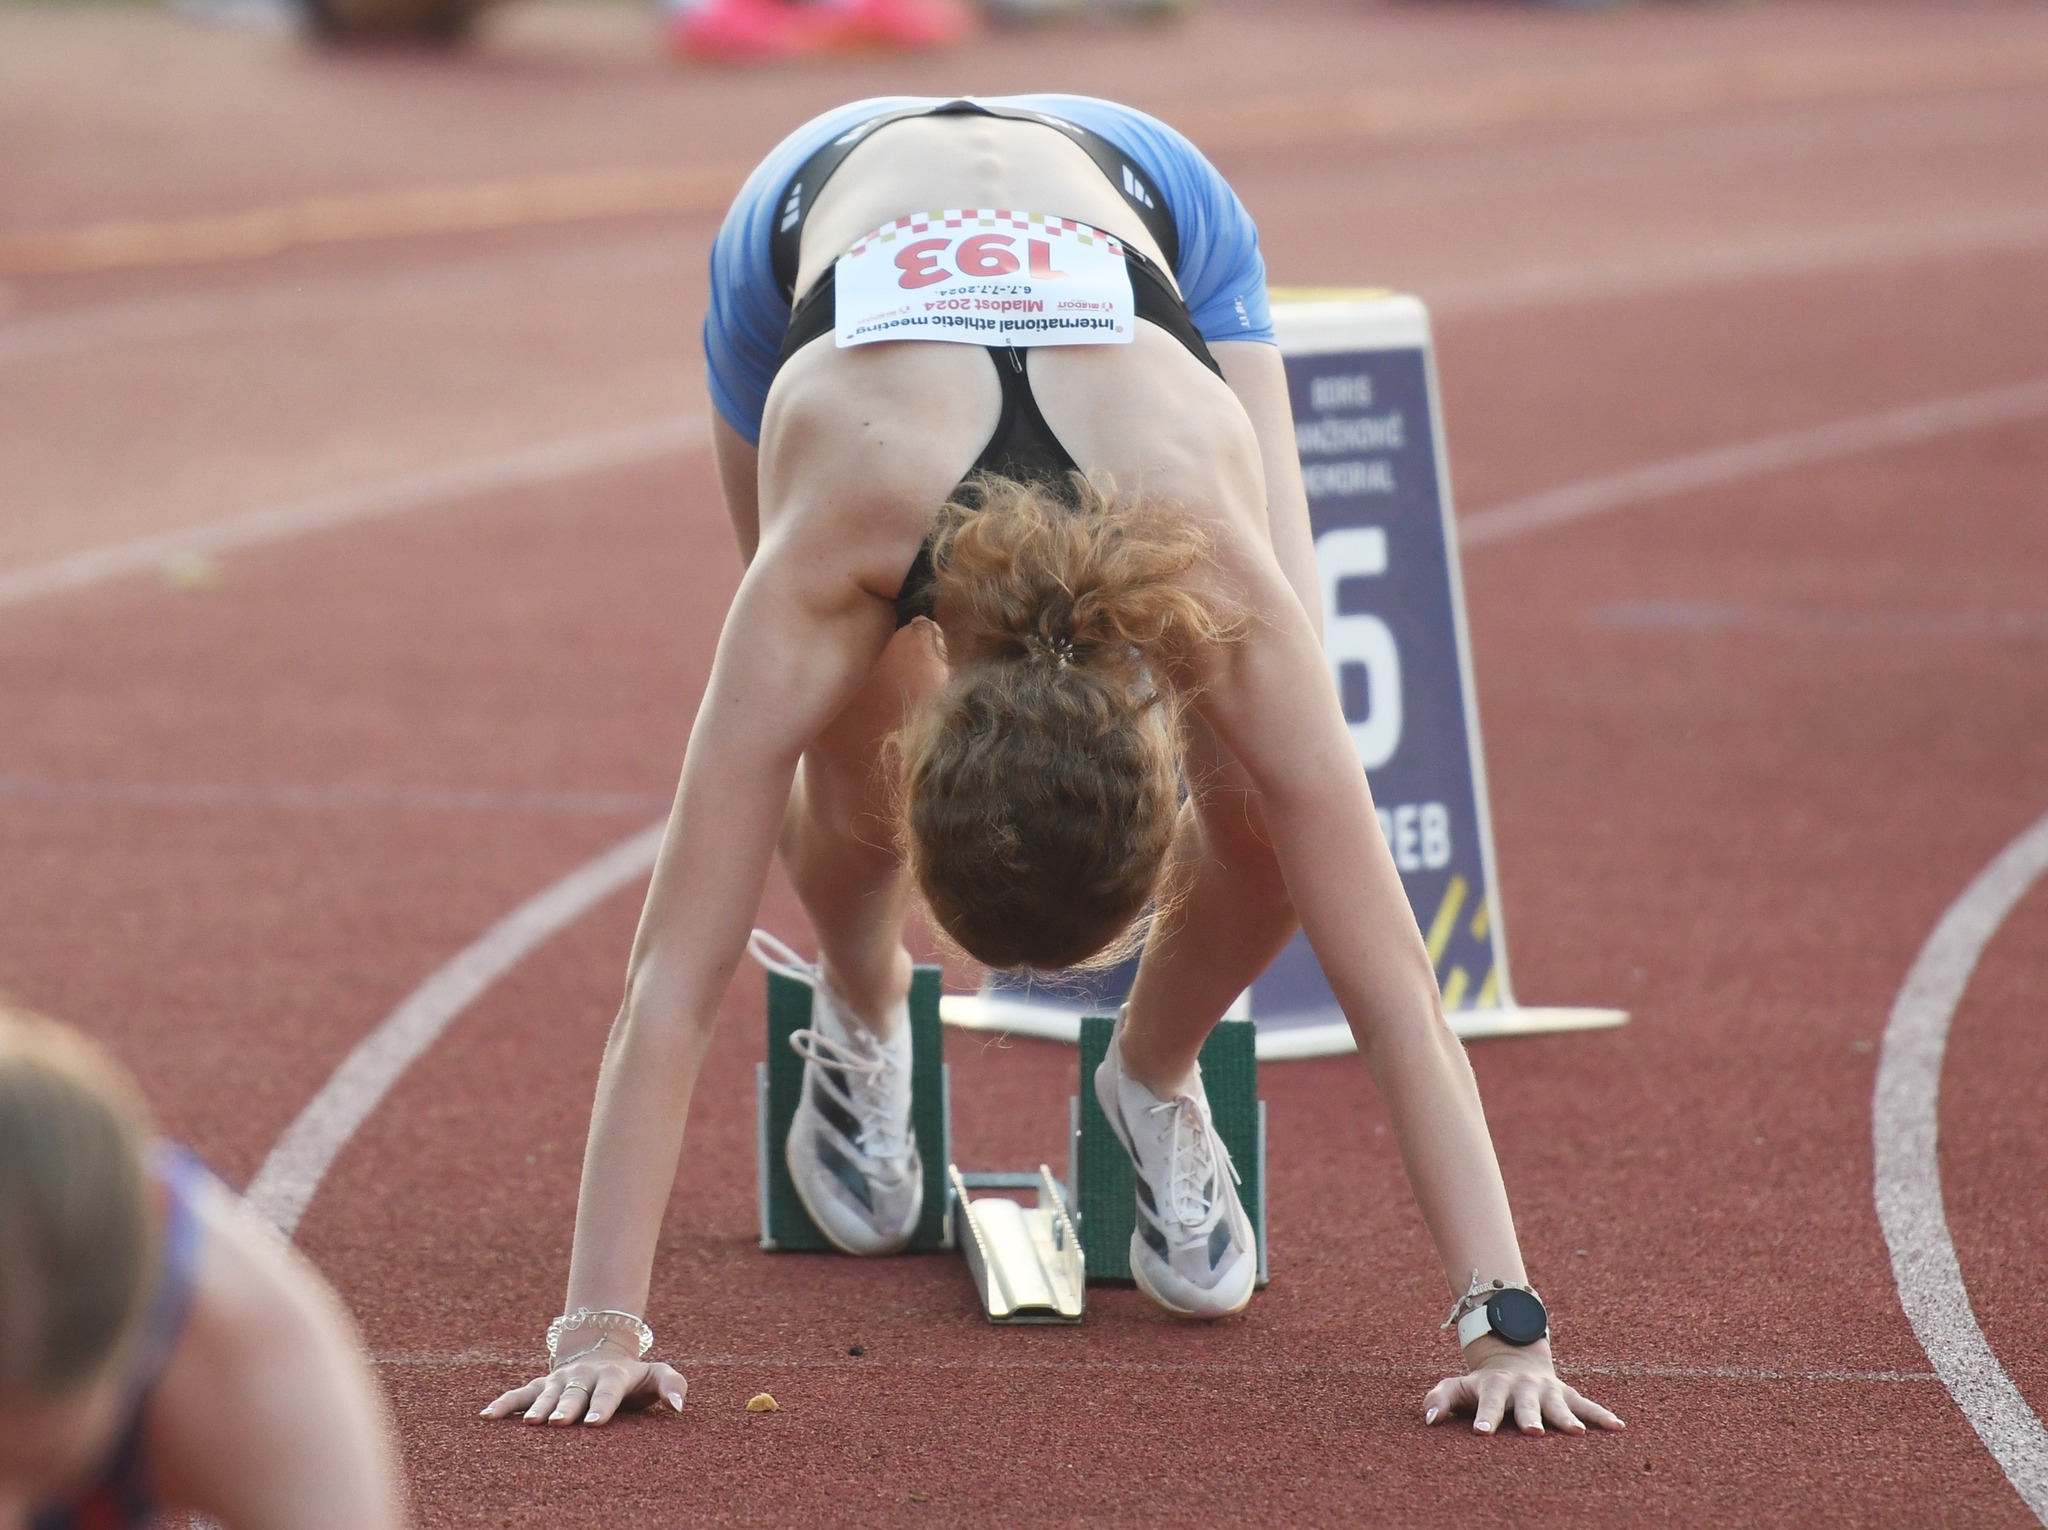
{"points": [[267, 1416], [739, 480], [799, 639], [1258, 377], [1271, 700], [844, 493]]}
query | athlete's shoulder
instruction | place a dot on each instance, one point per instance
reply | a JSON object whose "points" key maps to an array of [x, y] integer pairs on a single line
{"points": [[1221, 273], [1153, 140], [828, 125]]}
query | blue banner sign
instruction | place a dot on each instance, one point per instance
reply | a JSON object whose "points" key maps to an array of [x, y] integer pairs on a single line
{"points": [[1369, 428]]}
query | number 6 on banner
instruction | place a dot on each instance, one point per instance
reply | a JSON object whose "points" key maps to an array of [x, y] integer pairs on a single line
{"points": [[1360, 552]]}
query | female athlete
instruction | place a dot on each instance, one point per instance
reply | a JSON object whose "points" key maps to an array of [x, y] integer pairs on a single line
{"points": [[1031, 627], [160, 1348]]}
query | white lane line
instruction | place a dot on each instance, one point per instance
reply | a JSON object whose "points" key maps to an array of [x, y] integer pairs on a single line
{"points": [[1749, 459], [284, 1187], [1721, 265], [426, 799], [526, 278], [465, 1359], [1725, 616], [1736, 1372], [297, 302], [568, 457], [1905, 1122], [289, 1181], [576, 455]]}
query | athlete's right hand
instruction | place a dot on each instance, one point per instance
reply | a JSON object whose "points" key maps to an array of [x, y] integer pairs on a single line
{"points": [[589, 1388]]}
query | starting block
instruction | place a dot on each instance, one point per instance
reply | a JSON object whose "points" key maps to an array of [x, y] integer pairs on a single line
{"points": [[1102, 1169], [778, 1086], [1030, 1264]]}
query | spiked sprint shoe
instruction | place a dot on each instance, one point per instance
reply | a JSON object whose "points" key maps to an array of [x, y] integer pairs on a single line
{"points": [[851, 1152], [1193, 1250]]}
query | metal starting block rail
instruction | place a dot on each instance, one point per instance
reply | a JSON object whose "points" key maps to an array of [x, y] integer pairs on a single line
{"points": [[1029, 1264]]}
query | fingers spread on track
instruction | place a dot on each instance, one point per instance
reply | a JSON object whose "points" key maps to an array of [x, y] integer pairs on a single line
{"points": [[544, 1404], [1529, 1405], [1493, 1402], [1446, 1398], [515, 1400], [1557, 1409], [668, 1384], [604, 1402], [1592, 1412], [577, 1390]]}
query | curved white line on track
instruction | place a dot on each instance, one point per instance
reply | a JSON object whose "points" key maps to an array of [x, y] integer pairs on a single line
{"points": [[285, 1185], [1693, 265], [298, 301], [1767, 1375], [1750, 459], [1905, 1121], [319, 799], [523, 276], [569, 457], [288, 1179]]}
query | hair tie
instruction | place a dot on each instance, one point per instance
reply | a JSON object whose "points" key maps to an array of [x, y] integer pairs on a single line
{"points": [[1058, 651]]}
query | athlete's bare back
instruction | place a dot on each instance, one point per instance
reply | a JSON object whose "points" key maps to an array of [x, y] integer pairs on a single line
{"points": [[914, 415], [961, 160]]}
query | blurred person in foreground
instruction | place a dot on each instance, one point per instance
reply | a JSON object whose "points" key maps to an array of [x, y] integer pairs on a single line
{"points": [[160, 1347]]}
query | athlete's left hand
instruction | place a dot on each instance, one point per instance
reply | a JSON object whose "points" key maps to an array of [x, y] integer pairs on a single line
{"points": [[1516, 1383]]}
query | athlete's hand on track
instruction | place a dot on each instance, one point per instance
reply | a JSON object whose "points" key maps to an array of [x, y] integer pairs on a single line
{"points": [[591, 1387], [1515, 1384]]}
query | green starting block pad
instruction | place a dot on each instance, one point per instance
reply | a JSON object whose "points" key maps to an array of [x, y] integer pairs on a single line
{"points": [[1104, 1193], [778, 1085]]}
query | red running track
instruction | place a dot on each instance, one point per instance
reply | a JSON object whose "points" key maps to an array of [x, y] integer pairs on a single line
{"points": [[1740, 821]]}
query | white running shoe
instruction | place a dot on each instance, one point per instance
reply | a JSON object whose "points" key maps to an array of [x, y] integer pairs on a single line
{"points": [[1193, 1250], [852, 1152]]}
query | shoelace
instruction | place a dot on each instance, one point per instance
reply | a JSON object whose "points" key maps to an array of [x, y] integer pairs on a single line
{"points": [[1197, 1154], [869, 1068]]}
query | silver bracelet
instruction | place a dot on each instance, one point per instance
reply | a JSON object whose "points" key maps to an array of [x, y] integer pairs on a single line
{"points": [[600, 1317]]}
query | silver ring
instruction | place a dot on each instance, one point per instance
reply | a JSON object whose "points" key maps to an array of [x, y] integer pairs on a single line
{"points": [[577, 1386]]}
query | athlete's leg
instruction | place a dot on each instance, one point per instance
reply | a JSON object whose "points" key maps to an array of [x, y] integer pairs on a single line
{"points": [[1235, 915], [1228, 915], [839, 835], [839, 831]]}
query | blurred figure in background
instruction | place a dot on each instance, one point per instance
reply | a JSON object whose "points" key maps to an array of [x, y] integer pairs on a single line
{"points": [[160, 1347], [1033, 12], [757, 31], [444, 22], [701, 31]]}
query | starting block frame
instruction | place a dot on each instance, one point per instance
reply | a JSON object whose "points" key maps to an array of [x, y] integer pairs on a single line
{"points": [[1029, 1264], [778, 1085], [1102, 1174]]}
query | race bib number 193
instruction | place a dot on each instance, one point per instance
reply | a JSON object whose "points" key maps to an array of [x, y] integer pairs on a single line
{"points": [[985, 278]]}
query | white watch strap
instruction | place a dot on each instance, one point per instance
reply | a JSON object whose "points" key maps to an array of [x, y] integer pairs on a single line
{"points": [[1473, 1325]]}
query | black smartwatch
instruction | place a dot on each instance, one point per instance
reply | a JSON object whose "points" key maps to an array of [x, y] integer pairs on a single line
{"points": [[1513, 1314]]}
